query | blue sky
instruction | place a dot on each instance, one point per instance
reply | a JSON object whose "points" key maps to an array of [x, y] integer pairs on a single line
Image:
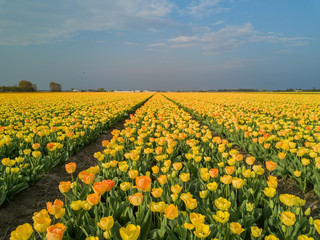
{"points": [[161, 44]]}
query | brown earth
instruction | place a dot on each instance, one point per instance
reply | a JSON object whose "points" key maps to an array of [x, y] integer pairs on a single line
{"points": [[21, 208]]}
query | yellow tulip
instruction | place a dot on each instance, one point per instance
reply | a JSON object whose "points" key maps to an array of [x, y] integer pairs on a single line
{"points": [[256, 232], [212, 186], [222, 204], [270, 192], [317, 225], [22, 232], [305, 237], [202, 230], [288, 218], [197, 218], [125, 186], [106, 223], [226, 179], [221, 217], [288, 200], [189, 226], [158, 206], [176, 189], [237, 182], [236, 228], [271, 237], [185, 177], [191, 203], [130, 232], [41, 221], [76, 205]]}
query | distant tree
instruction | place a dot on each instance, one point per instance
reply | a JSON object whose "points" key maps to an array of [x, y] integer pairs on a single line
{"points": [[9, 88], [101, 90], [34, 86], [26, 86], [55, 87], [264, 90]]}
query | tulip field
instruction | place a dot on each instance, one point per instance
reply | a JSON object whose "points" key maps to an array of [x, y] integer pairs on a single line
{"points": [[39, 131], [185, 165]]}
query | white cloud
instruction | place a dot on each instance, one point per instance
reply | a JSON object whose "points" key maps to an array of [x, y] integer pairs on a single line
{"points": [[130, 43], [230, 37], [158, 45], [40, 22], [183, 39], [219, 22], [203, 8]]}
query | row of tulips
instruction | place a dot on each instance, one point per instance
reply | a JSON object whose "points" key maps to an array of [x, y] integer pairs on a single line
{"points": [[166, 177], [282, 128], [40, 130]]}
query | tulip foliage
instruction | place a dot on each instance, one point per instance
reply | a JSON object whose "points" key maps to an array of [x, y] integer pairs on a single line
{"points": [[40, 130], [164, 176]]}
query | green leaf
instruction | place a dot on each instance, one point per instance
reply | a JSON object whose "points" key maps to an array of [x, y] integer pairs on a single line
{"points": [[171, 235], [145, 226]]}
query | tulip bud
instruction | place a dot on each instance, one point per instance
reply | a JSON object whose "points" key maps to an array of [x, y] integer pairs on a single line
{"points": [[307, 212], [271, 204], [284, 229], [311, 220], [249, 207], [203, 194], [297, 211]]}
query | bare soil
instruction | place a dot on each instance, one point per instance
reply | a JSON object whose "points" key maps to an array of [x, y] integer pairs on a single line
{"points": [[20, 209]]}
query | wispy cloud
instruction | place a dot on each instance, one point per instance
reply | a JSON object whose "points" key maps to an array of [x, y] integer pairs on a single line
{"points": [[285, 51], [219, 22], [202, 8], [230, 37], [130, 43], [40, 22], [158, 45]]}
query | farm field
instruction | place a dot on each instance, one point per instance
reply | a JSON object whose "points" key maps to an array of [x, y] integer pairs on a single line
{"points": [[39, 131], [184, 166]]}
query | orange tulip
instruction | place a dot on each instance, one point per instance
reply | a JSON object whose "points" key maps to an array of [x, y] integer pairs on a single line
{"points": [[143, 183], [94, 198], [56, 208], [136, 199], [71, 167], [229, 170], [99, 187], [64, 186], [88, 178], [171, 212], [214, 172], [55, 232], [271, 165], [109, 184]]}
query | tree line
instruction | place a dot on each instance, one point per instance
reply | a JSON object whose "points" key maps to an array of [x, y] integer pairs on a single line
{"points": [[27, 86]]}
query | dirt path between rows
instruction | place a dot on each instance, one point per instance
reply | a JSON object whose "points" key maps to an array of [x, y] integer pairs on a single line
{"points": [[21, 208]]}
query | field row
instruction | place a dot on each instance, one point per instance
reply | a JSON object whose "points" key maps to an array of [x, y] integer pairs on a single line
{"points": [[281, 128], [39, 131], [166, 177]]}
